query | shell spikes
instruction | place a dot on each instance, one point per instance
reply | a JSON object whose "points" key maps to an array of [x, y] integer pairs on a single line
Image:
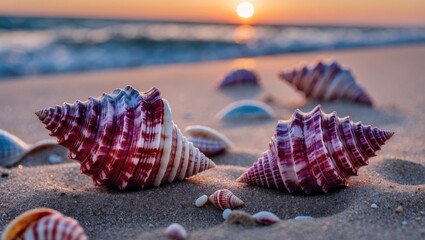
{"points": [[224, 198], [127, 139], [43, 224], [209, 141], [326, 82], [314, 152], [239, 77]]}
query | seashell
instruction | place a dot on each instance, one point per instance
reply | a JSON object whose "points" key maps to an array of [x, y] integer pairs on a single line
{"points": [[226, 213], [127, 139], [303, 218], [239, 77], [245, 109], [266, 218], [209, 141], [201, 201], [176, 231], [224, 198], [315, 152], [327, 82], [43, 224], [13, 149]]}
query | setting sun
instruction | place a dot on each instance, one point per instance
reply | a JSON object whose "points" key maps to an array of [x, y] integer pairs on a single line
{"points": [[245, 10]]}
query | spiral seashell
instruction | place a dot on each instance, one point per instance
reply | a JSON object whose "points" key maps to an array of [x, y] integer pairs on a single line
{"points": [[246, 109], [43, 224], [209, 141], [239, 77], [315, 152], [127, 139], [224, 198], [327, 82], [13, 149]]}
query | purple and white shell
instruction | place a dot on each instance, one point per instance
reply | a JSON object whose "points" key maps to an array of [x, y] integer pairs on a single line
{"points": [[326, 82], [239, 77], [224, 198], [127, 139], [43, 224], [314, 152], [209, 141]]}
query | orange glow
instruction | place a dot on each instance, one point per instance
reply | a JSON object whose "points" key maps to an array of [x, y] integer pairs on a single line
{"points": [[363, 12]]}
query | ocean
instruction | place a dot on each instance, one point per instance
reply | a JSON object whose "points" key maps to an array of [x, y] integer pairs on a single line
{"points": [[35, 46]]}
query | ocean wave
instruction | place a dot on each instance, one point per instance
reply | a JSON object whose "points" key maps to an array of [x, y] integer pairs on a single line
{"points": [[43, 46]]}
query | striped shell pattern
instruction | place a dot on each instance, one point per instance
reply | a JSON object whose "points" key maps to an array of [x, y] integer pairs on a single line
{"points": [[314, 152], [127, 139]]}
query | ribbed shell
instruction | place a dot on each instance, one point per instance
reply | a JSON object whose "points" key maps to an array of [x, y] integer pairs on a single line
{"points": [[326, 82], [314, 152], [209, 141], [44, 224], [13, 149], [239, 77], [127, 139], [224, 198]]}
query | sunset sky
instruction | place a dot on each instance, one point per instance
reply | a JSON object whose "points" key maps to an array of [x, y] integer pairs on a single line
{"points": [[358, 12]]}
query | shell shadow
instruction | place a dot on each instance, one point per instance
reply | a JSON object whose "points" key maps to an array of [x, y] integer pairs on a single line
{"points": [[402, 172], [242, 92]]}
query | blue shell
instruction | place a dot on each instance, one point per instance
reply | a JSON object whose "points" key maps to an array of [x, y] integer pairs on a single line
{"points": [[245, 109]]}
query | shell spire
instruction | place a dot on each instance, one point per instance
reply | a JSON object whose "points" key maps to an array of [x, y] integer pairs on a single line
{"points": [[326, 82], [44, 224], [314, 152], [127, 139]]}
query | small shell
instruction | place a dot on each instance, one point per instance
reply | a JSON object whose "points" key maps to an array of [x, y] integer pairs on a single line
{"points": [[315, 152], [207, 140], [201, 201], [245, 109], [176, 231], [226, 213], [326, 82], [127, 139], [303, 218], [239, 77], [266, 218], [224, 198], [13, 149], [45, 223]]}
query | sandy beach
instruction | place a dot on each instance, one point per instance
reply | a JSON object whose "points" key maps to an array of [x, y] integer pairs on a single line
{"points": [[393, 76]]}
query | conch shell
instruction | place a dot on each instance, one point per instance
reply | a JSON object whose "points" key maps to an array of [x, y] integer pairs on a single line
{"points": [[127, 139], [224, 198], [314, 152], [326, 82], [43, 224], [209, 141], [13, 149], [239, 77]]}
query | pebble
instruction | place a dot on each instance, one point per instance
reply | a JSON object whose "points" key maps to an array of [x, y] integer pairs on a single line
{"points": [[226, 213], [4, 175], [303, 218], [54, 159], [373, 205], [404, 222], [399, 209], [176, 231], [201, 201]]}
